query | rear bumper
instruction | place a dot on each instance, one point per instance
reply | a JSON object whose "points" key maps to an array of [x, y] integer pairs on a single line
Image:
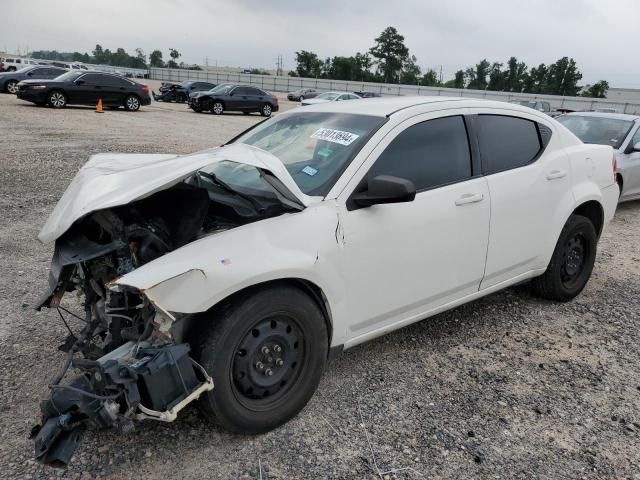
{"points": [[610, 196]]}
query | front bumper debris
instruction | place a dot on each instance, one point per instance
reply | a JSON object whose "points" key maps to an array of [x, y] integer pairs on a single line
{"points": [[136, 381]]}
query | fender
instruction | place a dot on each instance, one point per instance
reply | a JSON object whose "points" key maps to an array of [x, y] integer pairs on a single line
{"points": [[198, 276]]}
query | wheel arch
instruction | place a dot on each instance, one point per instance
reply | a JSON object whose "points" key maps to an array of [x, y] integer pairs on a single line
{"points": [[593, 210], [310, 288]]}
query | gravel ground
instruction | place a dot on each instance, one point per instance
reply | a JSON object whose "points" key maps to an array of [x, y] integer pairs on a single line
{"points": [[509, 386]]}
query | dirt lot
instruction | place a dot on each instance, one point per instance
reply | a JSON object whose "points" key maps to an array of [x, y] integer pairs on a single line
{"points": [[506, 387]]}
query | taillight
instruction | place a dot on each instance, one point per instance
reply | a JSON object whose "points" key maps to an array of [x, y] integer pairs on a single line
{"points": [[145, 89], [614, 165]]}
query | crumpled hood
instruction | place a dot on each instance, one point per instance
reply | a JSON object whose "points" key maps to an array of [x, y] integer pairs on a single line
{"points": [[112, 179]]}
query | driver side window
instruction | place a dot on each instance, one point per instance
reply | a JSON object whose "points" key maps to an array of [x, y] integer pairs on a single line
{"points": [[430, 154]]}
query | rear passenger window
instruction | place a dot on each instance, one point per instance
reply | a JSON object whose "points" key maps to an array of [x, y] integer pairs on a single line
{"points": [[507, 142], [430, 154]]}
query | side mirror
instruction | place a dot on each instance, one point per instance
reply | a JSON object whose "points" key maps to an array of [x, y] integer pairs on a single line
{"points": [[632, 148], [29, 74], [386, 189], [79, 82]]}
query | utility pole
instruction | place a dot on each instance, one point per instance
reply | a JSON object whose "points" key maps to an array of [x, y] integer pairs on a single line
{"points": [[206, 61], [440, 73], [279, 70]]}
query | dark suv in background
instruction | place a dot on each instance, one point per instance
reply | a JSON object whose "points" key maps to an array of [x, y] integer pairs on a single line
{"points": [[179, 92], [9, 80], [86, 88], [234, 98]]}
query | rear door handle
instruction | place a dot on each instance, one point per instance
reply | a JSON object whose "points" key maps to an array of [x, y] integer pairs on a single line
{"points": [[469, 198], [555, 174]]}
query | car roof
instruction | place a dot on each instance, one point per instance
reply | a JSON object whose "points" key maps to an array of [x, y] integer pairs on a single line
{"points": [[616, 116], [386, 106]]}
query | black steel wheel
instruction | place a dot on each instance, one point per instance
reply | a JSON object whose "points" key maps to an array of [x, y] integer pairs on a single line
{"points": [[265, 351], [571, 263], [266, 361]]}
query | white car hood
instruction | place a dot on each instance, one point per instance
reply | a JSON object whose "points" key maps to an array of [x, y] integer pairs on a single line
{"points": [[112, 179]]}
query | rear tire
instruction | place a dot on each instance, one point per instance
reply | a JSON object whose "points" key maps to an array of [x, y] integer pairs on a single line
{"points": [[132, 103], [265, 352], [12, 86], [571, 263], [266, 110], [56, 99]]}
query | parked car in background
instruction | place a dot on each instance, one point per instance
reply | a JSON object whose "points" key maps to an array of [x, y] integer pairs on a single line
{"points": [[9, 80], [248, 265], [179, 92], [12, 64], [539, 105], [330, 97], [234, 98], [301, 94], [71, 65], [85, 88], [620, 131], [363, 94]]}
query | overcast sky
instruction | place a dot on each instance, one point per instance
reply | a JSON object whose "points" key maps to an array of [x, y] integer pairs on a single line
{"points": [[602, 36]]}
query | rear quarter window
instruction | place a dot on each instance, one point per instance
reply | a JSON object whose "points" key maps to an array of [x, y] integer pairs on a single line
{"points": [[507, 142]]}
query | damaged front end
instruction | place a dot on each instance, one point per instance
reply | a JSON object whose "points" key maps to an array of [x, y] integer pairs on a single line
{"points": [[121, 212], [129, 366]]}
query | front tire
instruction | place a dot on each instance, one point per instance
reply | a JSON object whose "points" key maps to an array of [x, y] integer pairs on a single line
{"points": [[266, 110], [571, 263], [217, 108], [57, 99], [265, 352], [12, 86], [132, 103]]}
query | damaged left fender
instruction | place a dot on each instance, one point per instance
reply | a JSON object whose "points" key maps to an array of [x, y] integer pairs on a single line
{"points": [[196, 277]]}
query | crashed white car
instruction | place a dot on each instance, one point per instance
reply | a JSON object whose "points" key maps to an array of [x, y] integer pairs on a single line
{"points": [[233, 274]]}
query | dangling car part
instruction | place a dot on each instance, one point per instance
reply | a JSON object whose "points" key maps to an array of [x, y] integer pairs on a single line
{"points": [[130, 366]]}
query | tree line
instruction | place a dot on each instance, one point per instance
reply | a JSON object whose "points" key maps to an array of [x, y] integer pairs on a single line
{"points": [[117, 58], [389, 61]]}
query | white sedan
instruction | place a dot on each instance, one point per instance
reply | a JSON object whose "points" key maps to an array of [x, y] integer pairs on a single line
{"points": [[233, 274], [620, 131], [330, 97]]}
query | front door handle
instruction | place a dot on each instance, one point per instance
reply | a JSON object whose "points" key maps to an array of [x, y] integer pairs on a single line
{"points": [[469, 198], [555, 174]]}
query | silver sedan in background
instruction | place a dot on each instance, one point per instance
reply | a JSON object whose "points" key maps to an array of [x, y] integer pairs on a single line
{"points": [[618, 130]]}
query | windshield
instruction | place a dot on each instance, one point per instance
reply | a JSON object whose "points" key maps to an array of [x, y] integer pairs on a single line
{"points": [[328, 96], [315, 147], [222, 89], [186, 83], [69, 76], [599, 130]]}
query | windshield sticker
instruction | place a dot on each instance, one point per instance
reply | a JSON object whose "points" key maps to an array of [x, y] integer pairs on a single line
{"points": [[309, 170], [335, 136], [324, 152]]}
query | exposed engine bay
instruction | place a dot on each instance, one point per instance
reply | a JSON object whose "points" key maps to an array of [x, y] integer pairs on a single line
{"points": [[129, 364]]}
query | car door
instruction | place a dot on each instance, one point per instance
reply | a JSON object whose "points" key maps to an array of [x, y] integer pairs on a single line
{"points": [[630, 161], [257, 98], [529, 181], [90, 88], [118, 89], [242, 99], [403, 260], [234, 100]]}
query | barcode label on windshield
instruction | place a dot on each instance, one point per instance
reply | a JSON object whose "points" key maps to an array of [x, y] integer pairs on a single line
{"points": [[335, 136]]}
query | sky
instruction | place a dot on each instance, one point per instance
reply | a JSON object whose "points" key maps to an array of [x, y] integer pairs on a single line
{"points": [[602, 36]]}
